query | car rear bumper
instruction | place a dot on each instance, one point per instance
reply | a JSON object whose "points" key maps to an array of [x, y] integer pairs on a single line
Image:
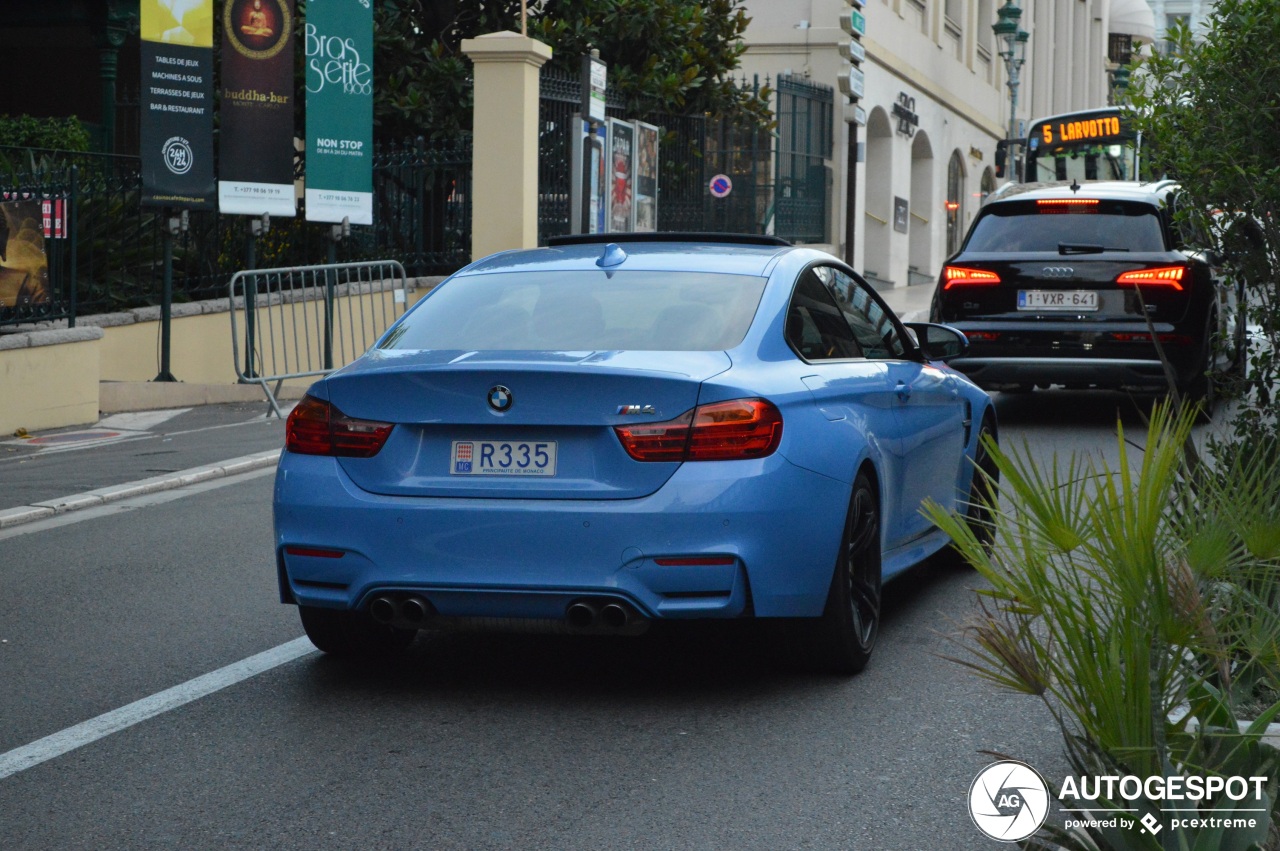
{"points": [[772, 527], [993, 372]]}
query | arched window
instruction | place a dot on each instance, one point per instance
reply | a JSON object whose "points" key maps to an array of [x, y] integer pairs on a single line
{"points": [[955, 202], [988, 184]]}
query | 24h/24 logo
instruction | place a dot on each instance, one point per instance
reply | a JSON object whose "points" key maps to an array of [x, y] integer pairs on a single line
{"points": [[1008, 801], [177, 155]]}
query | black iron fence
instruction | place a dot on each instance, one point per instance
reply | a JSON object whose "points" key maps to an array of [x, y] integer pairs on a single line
{"points": [[111, 257], [804, 112], [693, 149]]}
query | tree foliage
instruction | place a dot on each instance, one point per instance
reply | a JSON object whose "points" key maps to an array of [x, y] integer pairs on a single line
{"points": [[672, 56], [1210, 111]]}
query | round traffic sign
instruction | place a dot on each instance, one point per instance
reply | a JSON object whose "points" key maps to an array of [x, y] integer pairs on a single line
{"points": [[721, 185]]}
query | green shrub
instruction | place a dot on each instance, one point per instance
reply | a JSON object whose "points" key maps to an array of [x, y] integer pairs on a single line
{"points": [[59, 134], [1140, 602]]}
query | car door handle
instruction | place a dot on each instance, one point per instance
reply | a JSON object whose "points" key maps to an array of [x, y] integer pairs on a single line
{"points": [[903, 391]]}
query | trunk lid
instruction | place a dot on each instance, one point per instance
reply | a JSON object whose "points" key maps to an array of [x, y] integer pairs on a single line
{"points": [[562, 409]]}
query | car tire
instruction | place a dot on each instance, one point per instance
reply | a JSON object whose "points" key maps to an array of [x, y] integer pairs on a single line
{"points": [[842, 639], [984, 490], [1201, 388], [351, 634]]}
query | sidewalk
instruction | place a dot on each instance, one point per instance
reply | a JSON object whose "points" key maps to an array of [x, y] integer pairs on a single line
{"points": [[158, 450], [910, 303]]}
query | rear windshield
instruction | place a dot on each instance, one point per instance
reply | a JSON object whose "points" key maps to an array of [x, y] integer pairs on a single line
{"points": [[1032, 226], [584, 311]]}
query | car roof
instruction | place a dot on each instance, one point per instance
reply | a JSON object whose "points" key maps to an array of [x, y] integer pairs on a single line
{"points": [[647, 252], [1109, 190]]}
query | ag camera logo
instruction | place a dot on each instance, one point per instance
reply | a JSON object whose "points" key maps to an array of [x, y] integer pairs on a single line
{"points": [[1008, 801]]}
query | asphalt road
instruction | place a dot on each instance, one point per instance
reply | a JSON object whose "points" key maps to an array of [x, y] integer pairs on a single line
{"points": [[684, 738]]}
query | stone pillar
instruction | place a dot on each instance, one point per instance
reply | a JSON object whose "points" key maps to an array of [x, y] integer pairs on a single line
{"points": [[504, 159]]}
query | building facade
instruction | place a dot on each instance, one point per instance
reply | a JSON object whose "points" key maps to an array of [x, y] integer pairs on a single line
{"points": [[936, 102]]}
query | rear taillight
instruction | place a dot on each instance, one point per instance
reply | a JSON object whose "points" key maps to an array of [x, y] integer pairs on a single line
{"points": [[1165, 276], [723, 431], [982, 336], [1141, 337], [316, 427], [959, 276]]}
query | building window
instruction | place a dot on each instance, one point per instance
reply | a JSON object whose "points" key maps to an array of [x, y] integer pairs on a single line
{"points": [[955, 202], [985, 22], [1171, 21], [988, 185], [1120, 48]]}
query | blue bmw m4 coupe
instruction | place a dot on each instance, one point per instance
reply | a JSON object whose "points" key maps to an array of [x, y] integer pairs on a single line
{"points": [[604, 433]]}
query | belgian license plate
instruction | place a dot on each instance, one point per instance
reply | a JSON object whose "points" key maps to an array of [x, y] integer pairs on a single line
{"points": [[1057, 299], [503, 458]]}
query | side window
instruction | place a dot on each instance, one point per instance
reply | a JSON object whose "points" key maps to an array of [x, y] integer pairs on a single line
{"points": [[873, 329], [816, 326]]}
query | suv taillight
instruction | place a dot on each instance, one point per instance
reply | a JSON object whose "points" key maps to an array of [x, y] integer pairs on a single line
{"points": [[723, 431], [1165, 276], [316, 427], [959, 276]]}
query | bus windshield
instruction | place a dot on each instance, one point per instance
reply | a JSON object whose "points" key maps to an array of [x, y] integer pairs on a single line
{"points": [[1096, 144]]}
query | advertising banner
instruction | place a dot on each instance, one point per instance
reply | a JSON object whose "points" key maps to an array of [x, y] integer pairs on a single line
{"points": [[596, 177], [339, 71], [177, 104], [646, 197], [256, 136], [622, 146], [24, 270]]}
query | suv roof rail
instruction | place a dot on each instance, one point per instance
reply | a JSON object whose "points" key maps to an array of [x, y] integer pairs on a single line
{"points": [[667, 236]]}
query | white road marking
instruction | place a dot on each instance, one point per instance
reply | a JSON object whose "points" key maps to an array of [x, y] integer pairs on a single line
{"points": [[140, 420], [143, 494], [57, 744]]}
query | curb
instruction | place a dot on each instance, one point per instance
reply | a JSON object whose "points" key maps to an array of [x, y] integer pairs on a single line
{"points": [[114, 493]]}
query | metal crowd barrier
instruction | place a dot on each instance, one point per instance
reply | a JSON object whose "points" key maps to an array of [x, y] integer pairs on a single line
{"points": [[310, 320]]}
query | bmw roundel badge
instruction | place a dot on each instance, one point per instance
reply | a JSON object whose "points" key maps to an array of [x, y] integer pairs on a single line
{"points": [[500, 398]]}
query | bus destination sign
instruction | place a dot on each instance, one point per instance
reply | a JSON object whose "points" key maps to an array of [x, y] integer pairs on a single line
{"points": [[1100, 128]]}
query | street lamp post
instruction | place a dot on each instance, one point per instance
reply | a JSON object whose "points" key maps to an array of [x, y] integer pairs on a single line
{"points": [[1013, 51]]}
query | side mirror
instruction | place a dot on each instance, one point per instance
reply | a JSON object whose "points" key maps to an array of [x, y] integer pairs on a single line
{"points": [[939, 342]]}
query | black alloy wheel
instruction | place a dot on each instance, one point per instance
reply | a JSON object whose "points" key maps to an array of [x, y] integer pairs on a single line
{"points": [[841, 641], [341, 632]]}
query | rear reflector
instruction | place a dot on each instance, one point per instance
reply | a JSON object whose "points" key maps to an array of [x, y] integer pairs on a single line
{"points": [[959, 276], [1138, 337], [723, 431], [1165, 276], [316, 427], [313, 552]]}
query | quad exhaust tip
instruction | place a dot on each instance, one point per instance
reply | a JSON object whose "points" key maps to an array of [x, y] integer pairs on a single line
{"points": [[604, 616], [410, 611], [600, 616]]}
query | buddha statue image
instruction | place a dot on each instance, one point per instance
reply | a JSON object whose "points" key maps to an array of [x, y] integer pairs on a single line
{"points": [[255, 21]]}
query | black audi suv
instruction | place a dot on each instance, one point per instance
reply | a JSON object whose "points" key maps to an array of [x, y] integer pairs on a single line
{"points": [[1083, 286]]}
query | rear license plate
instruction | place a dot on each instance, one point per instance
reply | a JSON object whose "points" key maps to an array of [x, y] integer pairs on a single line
{"points": [[1057, 300], [503, 458]]}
